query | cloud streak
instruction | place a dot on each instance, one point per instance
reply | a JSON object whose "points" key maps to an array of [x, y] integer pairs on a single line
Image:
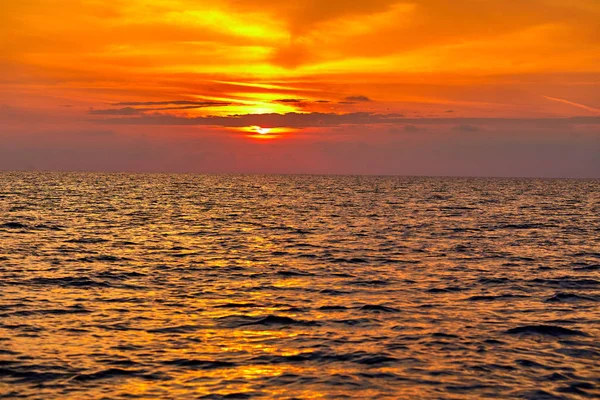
{"points": [[197, 104], [363, 99], [137, 111], [572, 103], [308, 120]]}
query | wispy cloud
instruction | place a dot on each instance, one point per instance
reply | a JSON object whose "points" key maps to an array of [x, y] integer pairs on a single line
{"points": [[116, 111], [291, 101], [136, 111], [572, 103], [173, 102], [307, 120], [358, 99]]}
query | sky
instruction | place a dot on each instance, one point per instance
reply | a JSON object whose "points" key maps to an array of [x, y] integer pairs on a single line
{"points": [[422, 87]]}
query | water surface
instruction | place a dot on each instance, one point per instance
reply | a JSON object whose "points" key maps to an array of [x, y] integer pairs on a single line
{"points": [[190, 286]]}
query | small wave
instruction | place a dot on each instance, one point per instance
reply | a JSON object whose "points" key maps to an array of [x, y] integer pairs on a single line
{"points": [[549, 330], [14, 225], [87, 240], [239, 305], [269, 320], [567, 282], [580, 353], [228, 396], [120, 362], [377, 308], [463, 229], [449, 289], [175, 329], [59, 311], [444, 335], [118, 327], [530, 364], [333, 308], [102, 257], [356, 322], [124, 243], [522, 226], [199, 364], [183, 255], [496, 297], [578, 388], [119, 275], [587, 267], [22, 328], [334, 292], [569, 297], [115, 373], [359, 357], [586, 254], [493, 281], [353, 260], [372, 282], [294, 273], [343, 275], [311, 256], [537, 395], [25, 374], [79, 282], [47, 227]]}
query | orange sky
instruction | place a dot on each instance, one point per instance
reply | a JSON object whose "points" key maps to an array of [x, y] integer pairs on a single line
{"points": [[206, 80]]}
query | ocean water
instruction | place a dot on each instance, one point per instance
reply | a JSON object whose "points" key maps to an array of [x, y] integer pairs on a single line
{"points": [[117, 286]]}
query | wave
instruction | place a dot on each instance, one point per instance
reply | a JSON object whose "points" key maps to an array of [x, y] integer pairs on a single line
{"points": [[199, 364], [268, 320], [569, 297], [359, 357], [496, 297], [548, 330], [112, 373], [377, 308]]}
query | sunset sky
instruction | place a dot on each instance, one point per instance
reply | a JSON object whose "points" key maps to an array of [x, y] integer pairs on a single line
{"points": [[423, 87]]}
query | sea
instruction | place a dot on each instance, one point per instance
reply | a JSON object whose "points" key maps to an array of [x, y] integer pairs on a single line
{"points": [[183, 286]]}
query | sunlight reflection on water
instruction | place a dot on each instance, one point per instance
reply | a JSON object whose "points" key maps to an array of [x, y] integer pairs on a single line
{"points": [[179, 286]]}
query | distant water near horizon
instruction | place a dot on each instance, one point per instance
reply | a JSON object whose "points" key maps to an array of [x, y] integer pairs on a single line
{"points": [[158, 286]]}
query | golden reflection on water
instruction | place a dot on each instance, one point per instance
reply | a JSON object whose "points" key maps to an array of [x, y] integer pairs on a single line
{"points": [[179, 286]]}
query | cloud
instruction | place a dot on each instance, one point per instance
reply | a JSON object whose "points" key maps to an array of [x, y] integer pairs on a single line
{"points": [[292, 101], [174, 102], [572, 103], [316, 119], [291, 120], [136, 111], [358, 99], [116, 111]]}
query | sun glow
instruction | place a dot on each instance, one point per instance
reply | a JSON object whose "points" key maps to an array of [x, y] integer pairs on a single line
{"points": [[263, 133], [260, 130]]}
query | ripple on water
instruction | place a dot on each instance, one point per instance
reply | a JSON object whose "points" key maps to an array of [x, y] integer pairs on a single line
{"points": [[223, 286], [547, 330]]}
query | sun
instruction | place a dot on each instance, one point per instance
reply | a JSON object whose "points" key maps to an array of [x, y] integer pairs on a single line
{"points": [[260, 130], [262, 133]]}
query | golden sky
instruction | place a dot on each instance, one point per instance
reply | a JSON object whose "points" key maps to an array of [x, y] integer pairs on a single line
{"points": [[309, 72]]}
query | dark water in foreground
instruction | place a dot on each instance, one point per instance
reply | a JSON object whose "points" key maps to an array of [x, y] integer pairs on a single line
{"points": [[189, 286]]}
